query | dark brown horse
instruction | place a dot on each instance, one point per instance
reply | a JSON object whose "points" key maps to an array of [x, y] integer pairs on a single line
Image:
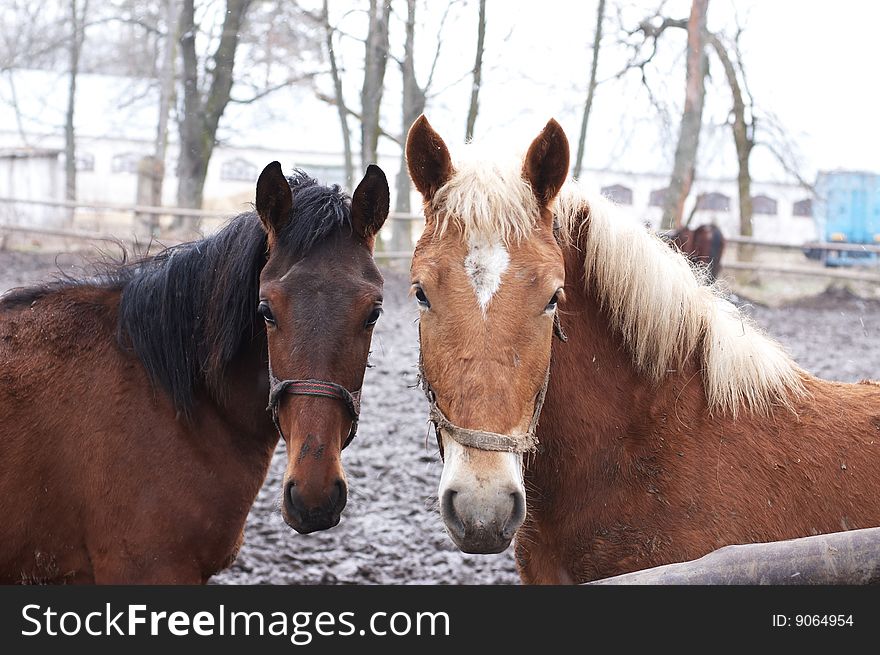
{"points": [[134, 433], [703, 245], [669, 426]]}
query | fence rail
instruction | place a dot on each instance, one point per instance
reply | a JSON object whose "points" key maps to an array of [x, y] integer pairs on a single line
{"points": [[855, 274], [818, 245], [121, 207]]}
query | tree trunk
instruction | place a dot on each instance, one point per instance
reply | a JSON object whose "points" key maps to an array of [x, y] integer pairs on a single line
{"points": [[77, 26], [692, 119], [375, 59], [201, 115], [588, 105], [743, 137], [478, 72], [166, 100], [413, 106], [340, 100]]}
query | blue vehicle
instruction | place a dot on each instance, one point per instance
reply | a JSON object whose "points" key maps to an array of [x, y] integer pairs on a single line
{"points": [[847, 210]]}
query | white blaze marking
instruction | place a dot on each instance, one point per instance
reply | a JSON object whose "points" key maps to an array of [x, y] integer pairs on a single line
{"points": [[485, 264]]}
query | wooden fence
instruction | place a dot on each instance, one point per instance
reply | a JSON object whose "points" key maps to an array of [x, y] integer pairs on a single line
{"points": [[760, 247], [841, 558]]}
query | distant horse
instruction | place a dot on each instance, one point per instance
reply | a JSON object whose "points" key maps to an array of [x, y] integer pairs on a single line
{"points": [[703, 245], [135, 434], [666, 426]]}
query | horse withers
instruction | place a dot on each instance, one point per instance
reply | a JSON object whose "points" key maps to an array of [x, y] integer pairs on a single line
{"points": [[135, 434], [669, 425]]}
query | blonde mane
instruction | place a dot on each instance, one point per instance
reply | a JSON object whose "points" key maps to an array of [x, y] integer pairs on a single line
{"points": [[665, 312], [652, 295]]}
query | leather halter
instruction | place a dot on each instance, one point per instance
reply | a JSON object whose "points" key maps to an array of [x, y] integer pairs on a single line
{"points": [[321, 388], [482, 439]]}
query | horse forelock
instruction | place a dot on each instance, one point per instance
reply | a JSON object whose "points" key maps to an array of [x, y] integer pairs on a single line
{"points": [[488, 201], [666, 313], [318, 211]]}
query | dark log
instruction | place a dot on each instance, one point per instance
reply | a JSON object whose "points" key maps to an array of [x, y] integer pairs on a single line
{"points": [[839, 558]]}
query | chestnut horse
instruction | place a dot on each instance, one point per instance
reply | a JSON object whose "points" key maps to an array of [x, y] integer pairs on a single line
{"points": [[135, 434], [670, 425], [703, 245]]}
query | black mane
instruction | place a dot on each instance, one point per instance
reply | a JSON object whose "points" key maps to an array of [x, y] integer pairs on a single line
{"points": [[188, 311]]}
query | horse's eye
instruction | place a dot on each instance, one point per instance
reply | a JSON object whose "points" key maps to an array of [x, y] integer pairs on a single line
{"points": [[551, 306], [421, 297], [265, 311], [373, 317]]}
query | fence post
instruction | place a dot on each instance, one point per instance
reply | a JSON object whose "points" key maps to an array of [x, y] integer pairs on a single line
{"points": [[146, 225]]}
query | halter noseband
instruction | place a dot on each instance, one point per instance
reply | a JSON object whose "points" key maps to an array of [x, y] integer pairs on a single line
{"points": [[481, 439], [322, 388]]}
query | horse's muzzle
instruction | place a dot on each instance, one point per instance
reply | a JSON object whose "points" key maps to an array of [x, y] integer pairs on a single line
{"points": [[486, 528], [305, 518]]}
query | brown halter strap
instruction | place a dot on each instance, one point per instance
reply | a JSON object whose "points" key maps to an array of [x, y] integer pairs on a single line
{"points": [[351, 399], [482, 439]]}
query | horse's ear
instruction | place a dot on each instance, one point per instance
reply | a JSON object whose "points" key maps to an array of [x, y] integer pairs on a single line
{"points": [[274, 199], [546, 163], [370, 203], [427, 157]]}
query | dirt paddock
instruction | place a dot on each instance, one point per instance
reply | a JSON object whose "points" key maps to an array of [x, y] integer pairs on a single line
{"points": [[391, 532]]}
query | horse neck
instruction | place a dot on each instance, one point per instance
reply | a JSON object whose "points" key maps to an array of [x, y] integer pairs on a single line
{"points": [[601, 413], [246, 385], [592, 370]]}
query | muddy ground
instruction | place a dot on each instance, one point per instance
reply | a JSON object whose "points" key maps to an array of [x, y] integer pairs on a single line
{"points": [[391, 532]]}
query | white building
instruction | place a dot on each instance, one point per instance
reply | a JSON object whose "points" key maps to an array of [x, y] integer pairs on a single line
{"points": [[782, 213]]}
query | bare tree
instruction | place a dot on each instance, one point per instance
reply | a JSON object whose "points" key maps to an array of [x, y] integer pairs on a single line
{"points": [[414, 99], [202, 109], [591, 89], [339, 98], [743, 118], [684, 164], [413, 105], [375, 60], [478, 72], [743, 128], [78, 14], [166, 100]]}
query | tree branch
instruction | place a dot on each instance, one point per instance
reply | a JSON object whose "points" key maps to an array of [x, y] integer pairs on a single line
{"points": [[275, 87], [351, 112]]}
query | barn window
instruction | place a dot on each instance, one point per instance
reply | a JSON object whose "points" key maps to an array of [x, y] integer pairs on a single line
{"points": [[238, 170], [658, 197], [713, 201], [764, 205], [126, 162], [803, 207], [618, 193], [84, 161]]}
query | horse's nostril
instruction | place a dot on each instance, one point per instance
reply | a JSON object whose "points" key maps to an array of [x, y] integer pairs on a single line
{"points": [[517, 515], [338, 495], [450, 517], [293, 502]]}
